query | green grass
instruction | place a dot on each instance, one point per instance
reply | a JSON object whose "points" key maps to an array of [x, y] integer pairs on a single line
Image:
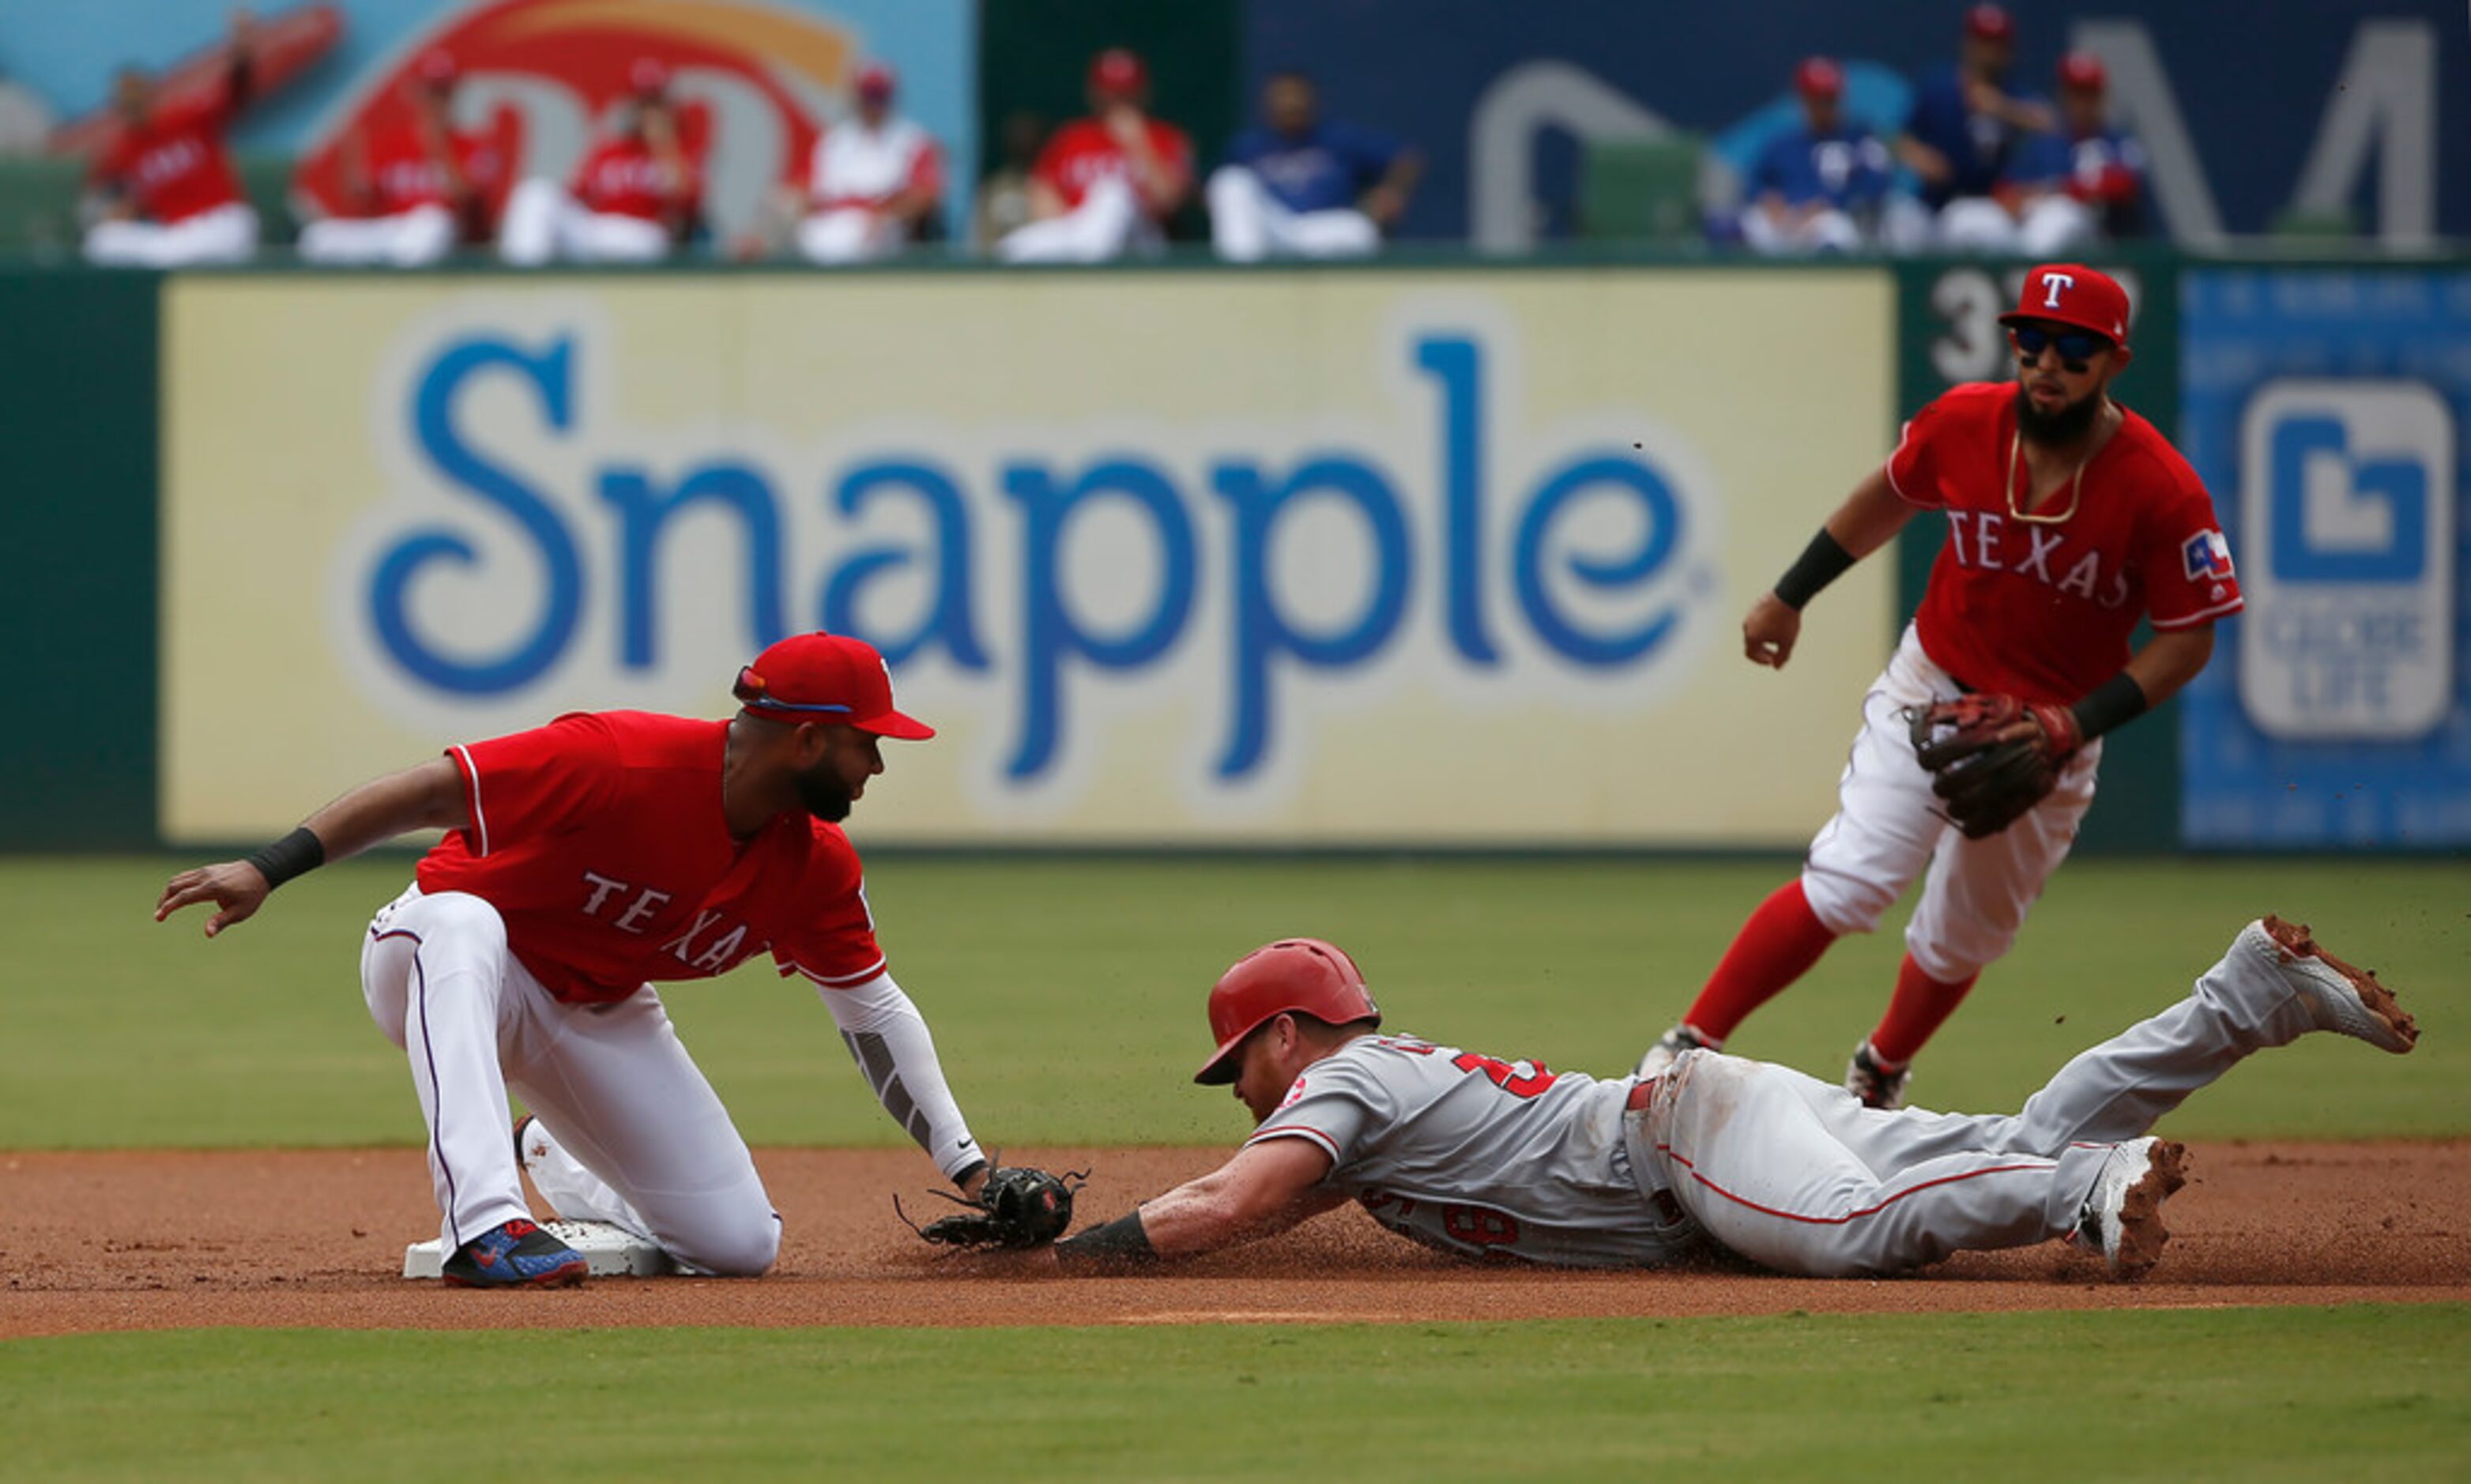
{"points": [[1067, 995], [2248, 1394]]}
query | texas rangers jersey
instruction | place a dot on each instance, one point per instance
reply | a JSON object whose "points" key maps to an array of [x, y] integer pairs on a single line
{"points": [[1975, 145], [1477, 1156], [173, 165], [853, 165], [404, 175], [1845, 167], [1327, 166], [624, 177], [1084, 152], [2043, 609], [599, 838]]}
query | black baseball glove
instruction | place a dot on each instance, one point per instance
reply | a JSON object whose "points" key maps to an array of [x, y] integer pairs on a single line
{"points": [[1017, 1207], [1992, 757]]}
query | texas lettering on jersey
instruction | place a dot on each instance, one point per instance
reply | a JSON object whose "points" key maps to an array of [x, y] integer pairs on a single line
{"points": [[599, 838]]}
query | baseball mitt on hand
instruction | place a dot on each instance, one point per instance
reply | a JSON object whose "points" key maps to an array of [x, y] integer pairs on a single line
{"points": [[1017, 1207], [1992, 757]]}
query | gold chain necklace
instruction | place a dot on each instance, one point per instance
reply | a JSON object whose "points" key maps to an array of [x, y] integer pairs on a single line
{"points": [[2075, 486]]}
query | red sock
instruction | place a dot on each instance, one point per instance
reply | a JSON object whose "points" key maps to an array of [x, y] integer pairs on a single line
{"points": [[1777, 946], [1920, 1006]]}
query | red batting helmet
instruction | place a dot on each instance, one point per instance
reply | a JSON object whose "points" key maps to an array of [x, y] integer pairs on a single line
{"points": [[1299, 975]]}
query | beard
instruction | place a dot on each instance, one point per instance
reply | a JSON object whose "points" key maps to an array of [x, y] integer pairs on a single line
{"points": [[824, 795], [2056, 430]]}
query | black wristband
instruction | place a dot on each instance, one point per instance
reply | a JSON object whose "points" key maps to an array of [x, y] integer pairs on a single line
{"points": [[2113, 703], [296, 854], [1820, 563], [1123, 1242]]}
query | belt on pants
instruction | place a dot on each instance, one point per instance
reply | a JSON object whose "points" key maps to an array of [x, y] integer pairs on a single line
{"points": [[1659, 1199]]}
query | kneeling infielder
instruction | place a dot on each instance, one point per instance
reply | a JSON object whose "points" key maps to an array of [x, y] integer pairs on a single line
{"points": [[582, 860], [1699, 1150]]}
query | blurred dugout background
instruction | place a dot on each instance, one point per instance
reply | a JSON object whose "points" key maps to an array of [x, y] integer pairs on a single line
{"points": [[1185, 554]]}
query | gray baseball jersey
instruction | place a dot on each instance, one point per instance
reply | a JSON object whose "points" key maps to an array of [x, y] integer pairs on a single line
{"points": [[1488, 1158], [1478, 1156]]}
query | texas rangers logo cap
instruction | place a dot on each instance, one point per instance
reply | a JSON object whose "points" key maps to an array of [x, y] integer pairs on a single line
{"points": [[830, 678], [2072, 294]]}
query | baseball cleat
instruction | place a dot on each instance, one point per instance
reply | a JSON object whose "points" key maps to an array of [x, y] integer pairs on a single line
{"points": [[514, 1255], [1873, 1083], [2340, 997], [1668, 1046], [2121, 1218]]}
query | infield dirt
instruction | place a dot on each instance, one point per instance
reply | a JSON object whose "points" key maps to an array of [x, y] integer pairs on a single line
{"points": [[136, 1240]]}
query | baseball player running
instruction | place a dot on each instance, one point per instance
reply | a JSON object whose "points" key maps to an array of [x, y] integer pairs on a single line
{"points": [[1488, 1158], [583, 860], [2069, 518]]}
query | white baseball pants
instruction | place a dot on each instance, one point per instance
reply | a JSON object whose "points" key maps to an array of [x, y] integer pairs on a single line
{"points": [[543, 222], [226, 234], [849, 234], [405, 239], [1797, 1175], [1822, 231], [1247, 223], [639, 1138], [1107, 224], [1889, 825]]}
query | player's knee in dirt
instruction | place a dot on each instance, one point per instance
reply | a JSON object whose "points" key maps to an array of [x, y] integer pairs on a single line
{"points": [[742, 1248]]}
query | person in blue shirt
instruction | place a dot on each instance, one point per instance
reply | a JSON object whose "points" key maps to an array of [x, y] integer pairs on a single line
{"points": [[1300, 186], [2083, 183], [1817, 187], [1963, 130]]}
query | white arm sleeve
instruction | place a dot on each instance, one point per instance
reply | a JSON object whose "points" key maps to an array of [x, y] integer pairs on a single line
{"points": [[889, 1038]]}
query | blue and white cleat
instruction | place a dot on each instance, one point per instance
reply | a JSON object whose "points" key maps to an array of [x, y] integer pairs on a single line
{"points": [[2343, 998], [514, 1255]]}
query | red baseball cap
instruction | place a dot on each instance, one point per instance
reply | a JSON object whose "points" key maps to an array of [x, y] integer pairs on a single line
{"points": [[827, 678], [1989, 23], [2083, 70], [875, 81], [436, 68], [2074, 294], [1818, 78], [649, 76], [1118, 71]]}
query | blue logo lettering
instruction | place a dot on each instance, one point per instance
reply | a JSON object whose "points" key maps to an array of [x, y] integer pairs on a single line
{"points": [[2399, 486]]}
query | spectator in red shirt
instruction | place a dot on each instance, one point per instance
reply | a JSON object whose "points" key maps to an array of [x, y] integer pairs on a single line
{"points": [[164, 194], [416, 191], [1104, 184], [633, 200]]}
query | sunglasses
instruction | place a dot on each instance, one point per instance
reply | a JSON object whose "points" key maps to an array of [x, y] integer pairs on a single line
{"points": [[2077, 347], [749, 690]]}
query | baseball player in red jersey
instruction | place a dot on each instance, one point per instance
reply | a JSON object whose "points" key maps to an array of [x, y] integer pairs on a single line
{"points": [[2069, 519], [1105, 184], [416, 191], [167, 195], [633, 199], [585, 861]]}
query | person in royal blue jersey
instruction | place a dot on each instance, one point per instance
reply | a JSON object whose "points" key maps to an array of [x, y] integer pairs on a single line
{"points": [[1299, 185], [1963, 130], [2084, 182], [1818, 186]]}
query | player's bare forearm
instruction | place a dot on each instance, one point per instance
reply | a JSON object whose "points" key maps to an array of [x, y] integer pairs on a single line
{"points": [[429, 796], [1267, 1188], [1870, 516], [2169, 661]]}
